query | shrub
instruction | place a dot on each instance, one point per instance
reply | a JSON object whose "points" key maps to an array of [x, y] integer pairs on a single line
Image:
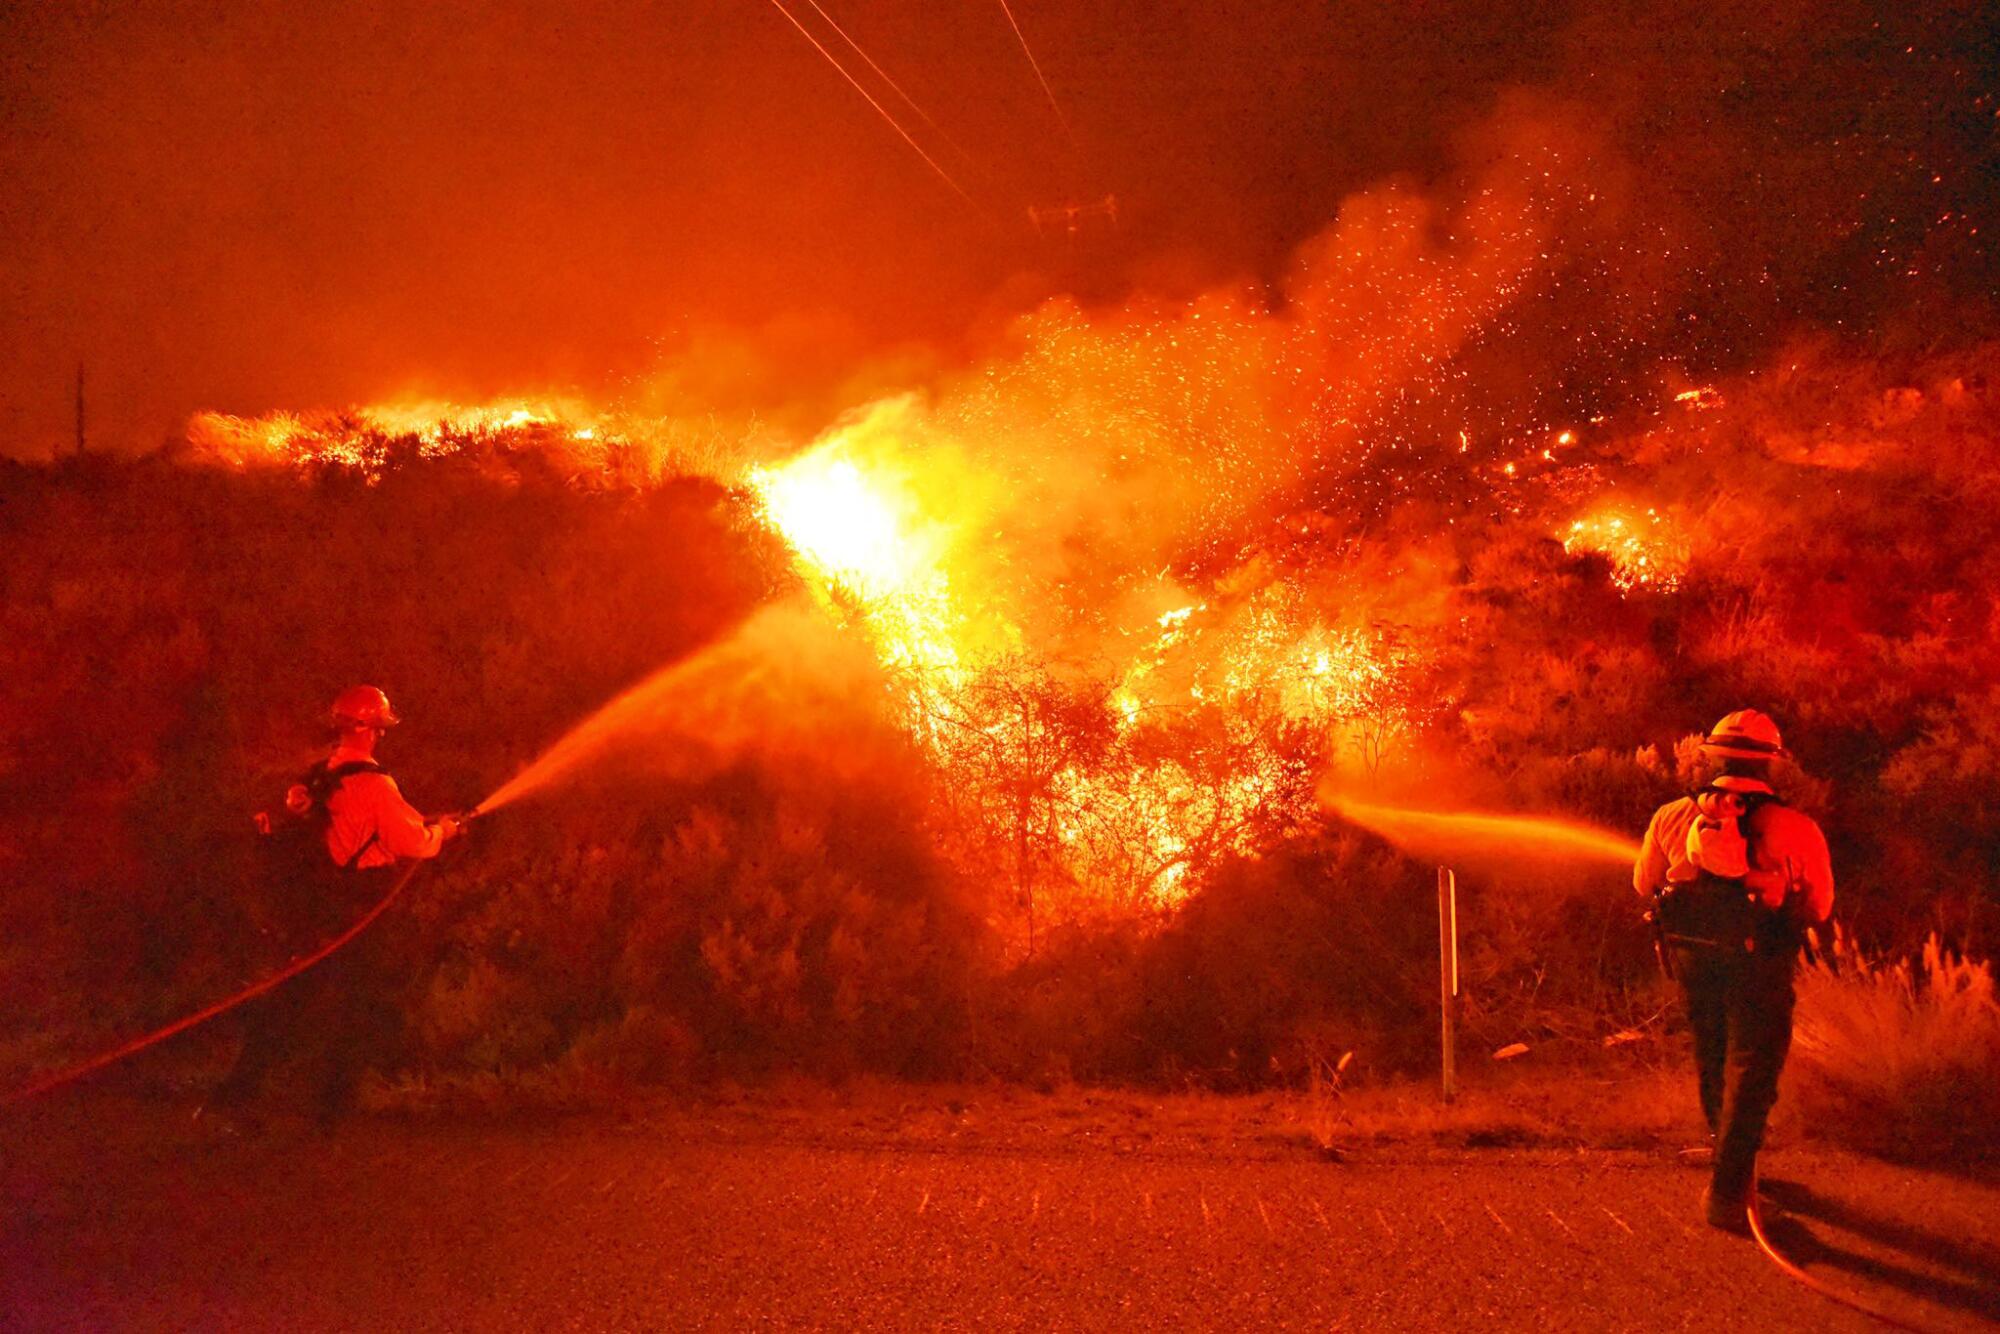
{"points": [[1901, 1057], [1329, 941], [169, 636]]}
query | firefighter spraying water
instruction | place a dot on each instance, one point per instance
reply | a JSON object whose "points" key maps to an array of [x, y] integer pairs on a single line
{"points": [[344, 843], [342, 834], [1736, 876]]}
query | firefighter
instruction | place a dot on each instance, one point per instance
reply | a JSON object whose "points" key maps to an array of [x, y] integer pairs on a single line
{"points": [[370, 826], [1736, 876], [358, 828]]}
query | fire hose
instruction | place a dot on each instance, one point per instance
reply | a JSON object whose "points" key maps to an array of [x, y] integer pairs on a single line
{"points": [[49, 1083], [1663, 952], [1832, 1294], [71, 1074]]}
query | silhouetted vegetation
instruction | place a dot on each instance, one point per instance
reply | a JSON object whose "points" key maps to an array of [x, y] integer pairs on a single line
{"points": [[170, 636]]}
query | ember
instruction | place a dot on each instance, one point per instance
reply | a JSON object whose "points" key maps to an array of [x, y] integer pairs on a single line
{"points": [[1643, 548]]}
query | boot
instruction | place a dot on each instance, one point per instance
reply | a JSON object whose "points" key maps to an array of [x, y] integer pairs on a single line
{"points": [[1729, 1214]]}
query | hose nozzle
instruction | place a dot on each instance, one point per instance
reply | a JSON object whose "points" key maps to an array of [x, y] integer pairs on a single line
{"points": [[462, 820]]}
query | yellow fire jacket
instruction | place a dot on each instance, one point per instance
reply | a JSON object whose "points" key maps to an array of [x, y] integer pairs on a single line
{"points": [[1783, 842], [368, 804]]}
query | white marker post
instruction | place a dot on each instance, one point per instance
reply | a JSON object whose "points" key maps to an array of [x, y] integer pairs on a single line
{"points": [[1448, 976]]}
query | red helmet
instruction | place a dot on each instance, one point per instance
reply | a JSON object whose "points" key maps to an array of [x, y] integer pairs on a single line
{"points": [[363, 706], [1745, 735]]}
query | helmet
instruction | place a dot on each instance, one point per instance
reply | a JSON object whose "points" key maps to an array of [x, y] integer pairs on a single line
{"points": [[363, 706], [1745, 735]]}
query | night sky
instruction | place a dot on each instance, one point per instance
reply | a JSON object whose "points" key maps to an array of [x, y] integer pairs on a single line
{"points": [[252, 206]]}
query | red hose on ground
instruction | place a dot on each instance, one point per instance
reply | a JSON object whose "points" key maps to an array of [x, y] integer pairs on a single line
{"points": [[297, 966], [283, 975], [1777, 1257]]}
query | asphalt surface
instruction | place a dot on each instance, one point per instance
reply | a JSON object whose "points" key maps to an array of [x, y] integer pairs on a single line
{"points": [[125, 1218]]}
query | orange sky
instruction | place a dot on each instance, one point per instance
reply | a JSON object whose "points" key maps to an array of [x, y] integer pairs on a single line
{"points": [[256, 205]]}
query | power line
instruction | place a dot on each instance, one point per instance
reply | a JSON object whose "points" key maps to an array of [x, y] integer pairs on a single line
{"points": [[882, 111], [1036, 66], [883, 74]]}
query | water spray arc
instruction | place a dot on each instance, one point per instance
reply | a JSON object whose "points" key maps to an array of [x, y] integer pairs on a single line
{"points": [[1543, 835]]}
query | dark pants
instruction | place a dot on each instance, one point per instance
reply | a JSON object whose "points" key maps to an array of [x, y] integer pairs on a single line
{"points": [[1740, 1010], [327, 1025]]}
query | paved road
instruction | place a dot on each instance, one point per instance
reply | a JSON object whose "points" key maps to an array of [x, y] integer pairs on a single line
{"points": [[681, 1221]]}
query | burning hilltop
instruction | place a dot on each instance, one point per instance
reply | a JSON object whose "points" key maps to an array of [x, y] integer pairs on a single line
{"points": [[1060, 685], [1138, 581], [1072, 559], [1116, 694]]}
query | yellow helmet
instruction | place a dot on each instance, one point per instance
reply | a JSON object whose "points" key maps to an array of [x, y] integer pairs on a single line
{"points": [[363, 706], [1745, 734]]}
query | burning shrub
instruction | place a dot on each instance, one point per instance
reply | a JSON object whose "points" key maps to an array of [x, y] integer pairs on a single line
{"points": [[1644, 549], [1038, 791]]}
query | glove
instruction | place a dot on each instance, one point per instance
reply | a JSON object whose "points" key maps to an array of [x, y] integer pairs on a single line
{"points": [[449, 827]]}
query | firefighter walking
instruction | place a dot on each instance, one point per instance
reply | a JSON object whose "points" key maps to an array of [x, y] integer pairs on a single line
{"points": [[356, 829], [1736, 877]]}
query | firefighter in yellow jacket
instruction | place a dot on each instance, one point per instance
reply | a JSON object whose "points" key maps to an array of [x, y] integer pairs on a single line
{"points": [[1736, 876], [338, 1015], [368, 823]]}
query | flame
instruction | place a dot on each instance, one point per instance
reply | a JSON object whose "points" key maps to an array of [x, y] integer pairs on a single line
{"points": [[860, 536], [1645, 550], [877, 531], [368, 439], [850, 528]]}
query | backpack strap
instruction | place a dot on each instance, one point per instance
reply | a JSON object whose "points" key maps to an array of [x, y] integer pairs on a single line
{"points": [[374, 837], [330, 778], [324, 778], [340, 773], [1752, 803]]}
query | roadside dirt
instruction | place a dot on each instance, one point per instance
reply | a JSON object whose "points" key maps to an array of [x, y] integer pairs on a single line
{"points": [[902, 1209]]}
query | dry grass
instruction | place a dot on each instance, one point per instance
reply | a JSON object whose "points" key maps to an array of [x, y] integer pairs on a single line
{"points": [[1630, 1105], [1896, 1058], [1900, 1057]]}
